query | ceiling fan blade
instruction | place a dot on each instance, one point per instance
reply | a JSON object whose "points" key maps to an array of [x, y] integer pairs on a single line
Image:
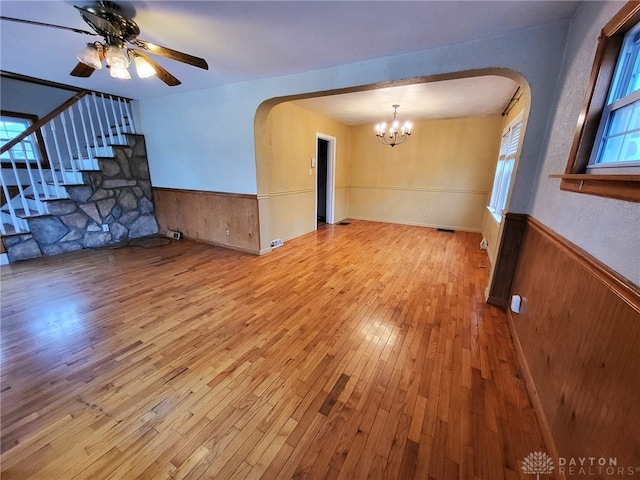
{"points": [[99, 24], [161, 73], [82, 70], [172, 54], [32, 22]]}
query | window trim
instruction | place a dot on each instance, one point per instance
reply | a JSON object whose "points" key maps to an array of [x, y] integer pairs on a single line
{"points": [[39, 144], [575, 178]]}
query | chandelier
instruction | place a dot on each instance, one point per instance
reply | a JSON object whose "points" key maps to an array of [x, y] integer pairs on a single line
{"points": [[396, 134], [116, 59]]}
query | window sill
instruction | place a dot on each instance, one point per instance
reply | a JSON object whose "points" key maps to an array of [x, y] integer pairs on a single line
{"points": [[621, 187], [497, 217]]}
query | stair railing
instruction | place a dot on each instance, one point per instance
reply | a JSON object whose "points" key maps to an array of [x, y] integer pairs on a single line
{"points": [[74, 135]]}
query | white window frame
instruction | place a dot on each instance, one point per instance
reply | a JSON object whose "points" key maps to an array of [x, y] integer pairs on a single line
{"points": [[26, 151], [626, 72], [509, 152]]}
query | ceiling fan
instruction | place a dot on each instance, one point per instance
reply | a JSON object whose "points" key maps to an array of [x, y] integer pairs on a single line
{"points": [[117, 31]]}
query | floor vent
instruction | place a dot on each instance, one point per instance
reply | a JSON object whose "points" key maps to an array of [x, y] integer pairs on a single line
{"points": [[344, 223], [446, 230]]}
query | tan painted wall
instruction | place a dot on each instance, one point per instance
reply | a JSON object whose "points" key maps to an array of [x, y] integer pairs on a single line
{"points": [[291, 182], [440, 178]]}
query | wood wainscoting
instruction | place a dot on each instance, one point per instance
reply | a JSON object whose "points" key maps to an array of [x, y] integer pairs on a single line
{"points": [[579, 334], [225, 219]]}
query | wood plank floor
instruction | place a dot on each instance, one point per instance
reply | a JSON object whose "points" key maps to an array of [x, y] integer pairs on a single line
{"points": [[358, 351]]}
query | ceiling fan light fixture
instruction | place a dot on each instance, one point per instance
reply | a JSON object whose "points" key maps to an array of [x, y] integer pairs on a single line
{"points": [[143, 68], [115, 57], [119, 71], [90, 55]]}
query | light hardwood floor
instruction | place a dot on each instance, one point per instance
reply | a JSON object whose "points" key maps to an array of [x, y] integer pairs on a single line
{"points": [[358, 351]]}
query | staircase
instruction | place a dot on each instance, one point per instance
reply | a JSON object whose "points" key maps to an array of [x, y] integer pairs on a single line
{"points": [[90, 188]]}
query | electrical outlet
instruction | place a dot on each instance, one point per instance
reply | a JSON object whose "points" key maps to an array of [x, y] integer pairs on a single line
{"points": [[105, 227], [227, 232], [176, 235]]}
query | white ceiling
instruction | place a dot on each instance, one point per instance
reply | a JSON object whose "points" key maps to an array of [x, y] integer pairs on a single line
{"points": [[462, 97], [248, 40]]}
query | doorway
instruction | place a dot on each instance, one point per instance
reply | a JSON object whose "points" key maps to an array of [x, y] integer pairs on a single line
{"points": [[325, 168], [321, 214]]}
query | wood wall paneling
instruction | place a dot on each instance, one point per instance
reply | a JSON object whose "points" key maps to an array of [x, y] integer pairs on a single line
{"points": [[229, 220], [579, 329]]}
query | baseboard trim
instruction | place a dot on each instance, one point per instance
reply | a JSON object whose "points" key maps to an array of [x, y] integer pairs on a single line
{"points": [[228, 246], [497, 301], [457, 228]]}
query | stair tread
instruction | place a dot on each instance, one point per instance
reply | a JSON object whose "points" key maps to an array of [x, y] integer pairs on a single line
{"points": [[11, 230], [66, 184], [44, 199], [21, 213], [32, 196]]}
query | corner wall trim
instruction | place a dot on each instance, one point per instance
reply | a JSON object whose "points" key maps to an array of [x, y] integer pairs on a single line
{"points": [[507, 259]]}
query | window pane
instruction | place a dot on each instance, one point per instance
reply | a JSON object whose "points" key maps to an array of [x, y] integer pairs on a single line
{"points": [[630, 151], [634, 84], [611, 150], [11, 127], [622, 135], [620, 120], [497, 180], [627, 77]]}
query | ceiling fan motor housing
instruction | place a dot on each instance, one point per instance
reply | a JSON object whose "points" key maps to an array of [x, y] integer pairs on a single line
{"points": [[108, 20]]}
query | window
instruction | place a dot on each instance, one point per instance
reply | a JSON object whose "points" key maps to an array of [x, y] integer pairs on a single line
{"points": [[12, 125], [605, 156], [504, 170], [617, 145]]}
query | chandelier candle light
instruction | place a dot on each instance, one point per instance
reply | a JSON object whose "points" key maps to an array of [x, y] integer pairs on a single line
{"points": [[396, 134]]}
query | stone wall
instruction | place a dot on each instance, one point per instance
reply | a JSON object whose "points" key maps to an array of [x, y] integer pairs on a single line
{"points": [[118, 196]]}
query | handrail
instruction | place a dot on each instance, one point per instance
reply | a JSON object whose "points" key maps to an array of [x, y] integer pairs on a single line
{"points": [[42, 121]]}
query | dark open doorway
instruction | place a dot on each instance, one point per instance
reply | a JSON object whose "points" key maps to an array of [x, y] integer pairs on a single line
{"points": [[323, 149]]}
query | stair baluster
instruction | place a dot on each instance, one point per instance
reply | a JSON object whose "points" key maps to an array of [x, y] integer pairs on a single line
{"points": [[106, 116], [97, 109], [132, 127], [12, 211], [72, 138], [68, 143], [117, 124], [74, 133], [87, 144], [93, 129]]}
